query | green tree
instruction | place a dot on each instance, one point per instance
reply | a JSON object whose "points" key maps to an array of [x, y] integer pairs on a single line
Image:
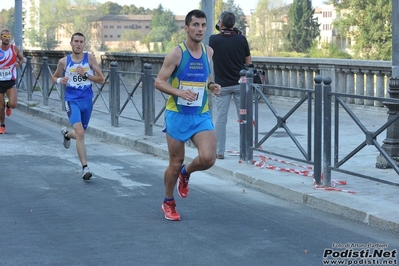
{"points": [[53, 15], [110, 8], [176, 38], [369, 23], [133, 10], [241, 20], [132, 35], [302, 29], [7, 20], [328, 50], [82, 14], [129, 40], [44, 26], [217, 10], [265, 35], [163, 26]]}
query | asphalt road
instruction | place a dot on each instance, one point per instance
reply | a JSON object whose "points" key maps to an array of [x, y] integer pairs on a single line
{"points": [[49, 216]]}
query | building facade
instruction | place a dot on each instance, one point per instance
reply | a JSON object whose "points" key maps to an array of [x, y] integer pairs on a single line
{"points": [[106, 31]]}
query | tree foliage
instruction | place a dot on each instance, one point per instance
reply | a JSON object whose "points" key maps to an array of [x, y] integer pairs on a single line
{"points": [[217, 10], [176, 38], [83, 14], [220, 6], [7, 19], [129, 40], [369, 23], [265, 34], [302, 28], [111, 8], [328, 50], [241, 20], [163, 26], [44, 26], [71, 16]]}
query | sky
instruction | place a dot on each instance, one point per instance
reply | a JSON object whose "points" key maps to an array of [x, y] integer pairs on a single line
{"points": [[178, 7]]}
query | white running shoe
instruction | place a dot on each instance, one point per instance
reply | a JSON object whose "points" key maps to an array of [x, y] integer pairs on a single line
{"points": [[86, 175], [66, 142]]}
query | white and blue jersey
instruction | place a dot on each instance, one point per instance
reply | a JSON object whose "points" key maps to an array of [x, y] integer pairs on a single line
{"points": [[78, 87]]}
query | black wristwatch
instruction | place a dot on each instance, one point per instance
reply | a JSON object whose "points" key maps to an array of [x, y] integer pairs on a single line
{"points": [[86, 75]]}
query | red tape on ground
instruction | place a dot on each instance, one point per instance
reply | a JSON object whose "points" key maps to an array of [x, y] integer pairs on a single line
{"points": [[264, 165]]}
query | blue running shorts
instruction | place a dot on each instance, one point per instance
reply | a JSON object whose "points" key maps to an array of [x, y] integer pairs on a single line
{"points": [[182, 127], [79, 111]]}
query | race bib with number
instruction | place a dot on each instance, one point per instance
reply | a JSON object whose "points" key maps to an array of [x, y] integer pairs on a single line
{"points": [[5, 74], [77, 80], [197, 87]]}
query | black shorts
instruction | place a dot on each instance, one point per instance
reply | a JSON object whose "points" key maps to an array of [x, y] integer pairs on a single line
{"points": [[5, 85]]}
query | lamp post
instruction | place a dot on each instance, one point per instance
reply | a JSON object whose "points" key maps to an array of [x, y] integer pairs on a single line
{"points": [[391, 143], [18, 24], [208, 8]]}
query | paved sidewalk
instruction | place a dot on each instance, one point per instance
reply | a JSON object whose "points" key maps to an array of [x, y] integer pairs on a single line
{"points": [[372, 203]]}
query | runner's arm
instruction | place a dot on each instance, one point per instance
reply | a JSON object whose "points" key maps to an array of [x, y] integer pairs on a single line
{"points": [[98, 76]]}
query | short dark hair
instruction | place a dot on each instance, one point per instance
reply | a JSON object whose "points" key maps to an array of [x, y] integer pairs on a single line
{"points": [[228, 19], [77, 34], [5, 30], [194, 13]]}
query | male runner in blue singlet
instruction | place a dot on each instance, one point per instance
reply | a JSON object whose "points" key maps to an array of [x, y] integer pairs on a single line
{"points": [[185, 76], [81, 69]]}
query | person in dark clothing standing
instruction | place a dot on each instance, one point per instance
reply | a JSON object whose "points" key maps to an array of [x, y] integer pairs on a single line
{"points": [[231, 55]]}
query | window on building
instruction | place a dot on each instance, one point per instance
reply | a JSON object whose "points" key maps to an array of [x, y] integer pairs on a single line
{"points": [[111, 36], [111, 27], [327, 27], [118, 36], [105, 26], [134, 26], [105, 36], [126, 27], [119, 27], [147, 27]]}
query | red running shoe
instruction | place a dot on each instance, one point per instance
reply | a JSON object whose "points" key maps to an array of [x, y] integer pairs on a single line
{"points": [[182, 185], [169, 209], [2, 129], [8, 110]]}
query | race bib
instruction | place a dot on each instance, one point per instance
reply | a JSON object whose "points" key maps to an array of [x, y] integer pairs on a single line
{"points": [[5, 74], [196, 87], [77, 80]]}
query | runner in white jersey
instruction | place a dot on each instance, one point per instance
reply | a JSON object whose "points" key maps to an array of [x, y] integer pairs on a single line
{"points": [[10, 59], [81, 70]]}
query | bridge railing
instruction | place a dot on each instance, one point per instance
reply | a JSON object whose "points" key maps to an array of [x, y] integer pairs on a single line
{"points": [[316, 140], [124, 94], [132, 95]]}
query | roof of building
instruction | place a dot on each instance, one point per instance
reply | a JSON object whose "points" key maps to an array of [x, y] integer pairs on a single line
{"points": [[131, 17]]}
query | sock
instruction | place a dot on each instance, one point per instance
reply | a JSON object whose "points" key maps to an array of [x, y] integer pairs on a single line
{"points": [[3, 125], [7, 105], [183, 170], [166, 199]]}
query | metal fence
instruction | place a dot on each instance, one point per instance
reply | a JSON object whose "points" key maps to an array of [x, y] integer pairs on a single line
{"points": [[129, 95], [322, 134], [132, 95]]}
